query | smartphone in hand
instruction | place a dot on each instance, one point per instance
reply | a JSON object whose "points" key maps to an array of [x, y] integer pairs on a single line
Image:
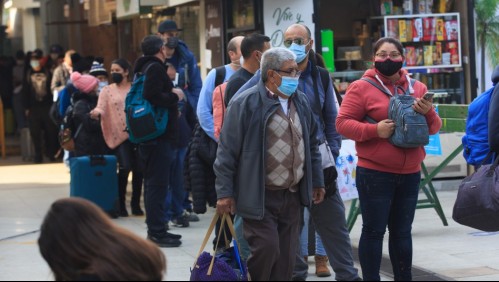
{"points": [[428, 96]]}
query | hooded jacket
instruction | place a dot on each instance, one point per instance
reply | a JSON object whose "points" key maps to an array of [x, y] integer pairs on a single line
{"points": [[362, 99], [189, 76], [494, 114]]}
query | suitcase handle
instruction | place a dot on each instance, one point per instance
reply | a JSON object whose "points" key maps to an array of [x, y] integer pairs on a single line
{"points": [[98, 161]]}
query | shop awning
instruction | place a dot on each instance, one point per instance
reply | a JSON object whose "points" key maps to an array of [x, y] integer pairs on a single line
{"points": [[25, 4], [169, 3]]}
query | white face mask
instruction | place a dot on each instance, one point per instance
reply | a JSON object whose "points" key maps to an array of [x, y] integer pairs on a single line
{"points": [[241, 60]]}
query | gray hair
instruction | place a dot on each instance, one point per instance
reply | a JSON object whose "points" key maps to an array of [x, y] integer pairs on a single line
{"points": [[274, 58]]}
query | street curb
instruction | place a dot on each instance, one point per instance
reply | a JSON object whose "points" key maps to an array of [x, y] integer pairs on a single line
{"points": [[418, 273]]}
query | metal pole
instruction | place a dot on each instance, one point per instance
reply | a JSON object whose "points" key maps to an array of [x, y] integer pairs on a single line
{"points": [[472, 46]]}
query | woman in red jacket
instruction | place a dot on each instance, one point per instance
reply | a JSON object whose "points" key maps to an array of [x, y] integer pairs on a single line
{"points": [[388, 177]]}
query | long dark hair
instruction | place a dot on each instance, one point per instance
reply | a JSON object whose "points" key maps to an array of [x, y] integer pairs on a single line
{"points": [[77, 239], [125, 65]]}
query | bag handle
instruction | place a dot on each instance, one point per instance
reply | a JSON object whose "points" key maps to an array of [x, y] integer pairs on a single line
{"points": [[207, 237], [493, 167], [222, 225], [225, 219]]}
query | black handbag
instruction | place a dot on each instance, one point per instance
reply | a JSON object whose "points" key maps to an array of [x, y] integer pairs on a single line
{"points": [[477, 203]]}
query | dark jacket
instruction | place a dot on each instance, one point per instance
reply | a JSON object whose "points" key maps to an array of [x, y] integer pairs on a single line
{"points": [[329, 112], [240, 163], [189, 75], [186, 124], [158, 91], [494, 114], [199, 177], [89, 139], [30, 98]]}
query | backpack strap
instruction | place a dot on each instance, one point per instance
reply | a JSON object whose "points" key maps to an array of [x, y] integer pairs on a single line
{"points": [[317, 104], [368, 118], [143, 71], [325, 76], [377, 86], [220, 77], [406, 92]]}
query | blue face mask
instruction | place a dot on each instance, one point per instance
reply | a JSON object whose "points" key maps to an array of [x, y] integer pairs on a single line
{"points": [[102, 84], [300, 51], [288, 85]]}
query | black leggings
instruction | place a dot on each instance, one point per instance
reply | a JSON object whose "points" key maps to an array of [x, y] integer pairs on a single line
{"points": [[127, 160]]}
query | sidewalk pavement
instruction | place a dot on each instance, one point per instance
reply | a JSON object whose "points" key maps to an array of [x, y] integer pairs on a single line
{"points": [[451, 252]]}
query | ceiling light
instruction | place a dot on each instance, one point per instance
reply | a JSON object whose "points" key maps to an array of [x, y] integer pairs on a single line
{"points": [[8, 4]]}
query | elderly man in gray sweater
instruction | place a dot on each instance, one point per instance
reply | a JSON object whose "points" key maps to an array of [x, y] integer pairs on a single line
{"points": [[268, 165]]}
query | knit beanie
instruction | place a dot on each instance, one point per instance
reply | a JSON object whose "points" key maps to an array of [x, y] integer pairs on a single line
{"points": [[98, 69], [85, 83]]}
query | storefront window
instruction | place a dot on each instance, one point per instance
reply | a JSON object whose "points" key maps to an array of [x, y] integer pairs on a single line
{"points": [[243, 14]]}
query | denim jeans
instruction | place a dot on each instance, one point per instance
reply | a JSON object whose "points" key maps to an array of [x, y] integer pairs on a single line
{"points": [[387, 199], [155, 160], [319, 247], [176, 192]]}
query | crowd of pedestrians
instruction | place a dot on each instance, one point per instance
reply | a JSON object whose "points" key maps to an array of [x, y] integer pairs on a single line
{"points": [[245, 140]]}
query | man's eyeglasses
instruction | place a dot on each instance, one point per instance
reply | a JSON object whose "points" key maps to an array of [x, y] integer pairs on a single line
{"points": [[392, 55], [292, 73], [298, 41]]}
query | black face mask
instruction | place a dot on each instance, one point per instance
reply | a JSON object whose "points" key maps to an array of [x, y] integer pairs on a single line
{"points": [[117, 77], [388, 67]]}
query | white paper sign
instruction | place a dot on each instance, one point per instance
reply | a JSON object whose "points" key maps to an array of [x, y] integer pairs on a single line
{"points": [[346, 165], [280, 14]]}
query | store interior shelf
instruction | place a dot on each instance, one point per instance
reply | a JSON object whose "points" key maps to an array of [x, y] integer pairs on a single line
{"points": [[346, 60], [342, 74]]}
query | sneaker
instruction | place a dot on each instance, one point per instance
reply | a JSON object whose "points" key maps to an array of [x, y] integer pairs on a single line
{"points": [[181, 221], [123, 213], [192, 217], [137, 211], [164, 241], [173, 236]]}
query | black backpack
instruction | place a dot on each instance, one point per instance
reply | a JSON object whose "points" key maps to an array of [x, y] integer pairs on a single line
{"points": [[219, 79]]}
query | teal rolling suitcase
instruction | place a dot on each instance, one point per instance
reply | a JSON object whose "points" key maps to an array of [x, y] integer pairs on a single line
{"points": [[95, 178]]}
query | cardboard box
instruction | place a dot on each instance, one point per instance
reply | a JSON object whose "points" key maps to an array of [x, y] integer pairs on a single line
{"points": [[428, 55], [419, 56], [420, 7], [451, 29], [438, 53], [402, 31], [410, 56], [393, 28], [453, 49], [408, 24], [429, 29], [440, 30], [442, 6], [429, 6], [386, 7], [417, 30]]}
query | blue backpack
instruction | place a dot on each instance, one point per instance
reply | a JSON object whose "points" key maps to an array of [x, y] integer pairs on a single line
{"points": [[475, 142], [144, 121]]}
